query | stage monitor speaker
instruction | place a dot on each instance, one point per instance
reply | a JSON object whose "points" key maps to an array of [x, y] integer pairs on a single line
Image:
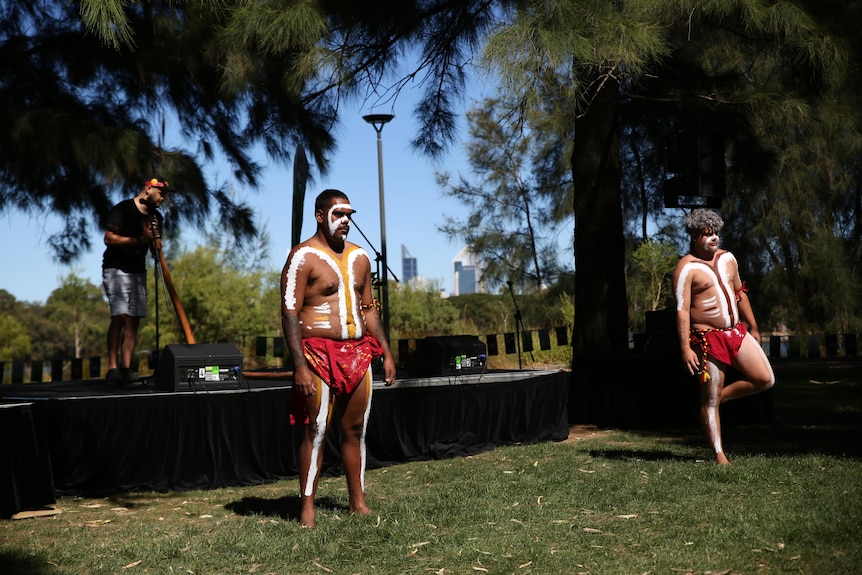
{"points": [[447, 355], [198, 366]]}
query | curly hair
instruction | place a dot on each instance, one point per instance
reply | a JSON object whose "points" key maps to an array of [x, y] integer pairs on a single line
{"points": [[700, 219]]}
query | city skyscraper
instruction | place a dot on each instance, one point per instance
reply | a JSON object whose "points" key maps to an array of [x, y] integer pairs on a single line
{"points": [[466, 273], [409, 269]]}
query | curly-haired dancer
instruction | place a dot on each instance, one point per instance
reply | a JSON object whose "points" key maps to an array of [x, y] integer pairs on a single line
{"points": [[712, 304]]}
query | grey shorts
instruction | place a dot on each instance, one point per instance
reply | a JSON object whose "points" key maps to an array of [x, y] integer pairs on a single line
{"points": [[127, 293]]}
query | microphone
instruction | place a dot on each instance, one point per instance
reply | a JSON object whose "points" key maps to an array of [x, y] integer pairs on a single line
{"points": [[147, 202]]}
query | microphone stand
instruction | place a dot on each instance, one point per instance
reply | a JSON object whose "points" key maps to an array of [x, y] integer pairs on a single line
{"points": [[519, 325], [151, 211], [378, 257], [378, 284]]}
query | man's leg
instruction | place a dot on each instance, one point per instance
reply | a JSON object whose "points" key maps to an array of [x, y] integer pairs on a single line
{"points": [[755, 368], [311, 449], [710, 394], [353, 423], [115, 333], [130, 338]]}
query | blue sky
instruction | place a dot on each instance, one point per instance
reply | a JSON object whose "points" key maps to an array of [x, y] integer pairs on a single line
{"points": [[414, 206]]}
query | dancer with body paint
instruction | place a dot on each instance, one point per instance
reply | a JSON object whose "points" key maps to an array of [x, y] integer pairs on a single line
{"points": [[333, 330], [712, 303]]}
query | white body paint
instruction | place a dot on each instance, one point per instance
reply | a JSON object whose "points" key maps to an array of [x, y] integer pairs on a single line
{"points": [[323, 416], [711, 422], [717, 307], [322, 313], [317, 444], [343, 311]]}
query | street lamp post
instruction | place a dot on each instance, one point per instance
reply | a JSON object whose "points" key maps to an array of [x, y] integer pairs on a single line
{"points": [[378, 121]]}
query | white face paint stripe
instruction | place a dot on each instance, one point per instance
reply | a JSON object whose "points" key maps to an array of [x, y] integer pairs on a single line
{"points": [[333, 225]]}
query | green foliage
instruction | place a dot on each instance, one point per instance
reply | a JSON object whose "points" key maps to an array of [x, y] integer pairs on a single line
{"points": [[495, 313], [81, 119], [649, 280], [509, 222], [90, 86], [80, 310], [590, 92], [420, 310], [223, 300], [14, 339], [773, 78]]}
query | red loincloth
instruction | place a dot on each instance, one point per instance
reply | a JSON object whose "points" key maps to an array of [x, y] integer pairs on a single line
{"points": [[341, 364], [720, 344]]}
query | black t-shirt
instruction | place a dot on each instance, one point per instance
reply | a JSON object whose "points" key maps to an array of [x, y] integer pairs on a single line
{"points": [[125, 219]]}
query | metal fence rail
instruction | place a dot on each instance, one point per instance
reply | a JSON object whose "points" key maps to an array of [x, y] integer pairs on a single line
{"points": [[812, 346]]}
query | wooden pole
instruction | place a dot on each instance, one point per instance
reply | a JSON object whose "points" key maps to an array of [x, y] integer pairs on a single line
{"points": [[169, 282]]}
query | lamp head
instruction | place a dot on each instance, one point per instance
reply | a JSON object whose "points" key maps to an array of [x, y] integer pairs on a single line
{"points": [[378, 118]]}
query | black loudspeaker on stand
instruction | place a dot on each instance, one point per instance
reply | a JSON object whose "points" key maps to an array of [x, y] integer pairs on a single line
{"points": [[198, 366], [447, 355]]}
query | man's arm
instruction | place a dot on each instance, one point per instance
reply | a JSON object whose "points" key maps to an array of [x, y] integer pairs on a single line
{"points": [[682, 292], [114, 239], [746, 313], [743, 304], [302, 375], [374, 327]]}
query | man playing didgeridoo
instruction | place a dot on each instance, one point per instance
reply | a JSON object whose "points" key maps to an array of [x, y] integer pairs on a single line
{"points": [[332, 328], [711, 304]]}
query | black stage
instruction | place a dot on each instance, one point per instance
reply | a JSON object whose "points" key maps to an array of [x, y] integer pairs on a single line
{"points": [[83, 438]]}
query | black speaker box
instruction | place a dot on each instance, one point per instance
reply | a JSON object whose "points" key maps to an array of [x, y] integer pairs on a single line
{"points": [[198, 366], [447, 355]]}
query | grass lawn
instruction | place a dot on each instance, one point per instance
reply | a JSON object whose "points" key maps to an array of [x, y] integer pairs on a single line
{"points": [[602, 502]]}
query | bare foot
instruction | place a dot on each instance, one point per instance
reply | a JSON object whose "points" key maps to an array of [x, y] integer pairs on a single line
{"points": [[721, 459], [360, 510], [307, 516]]}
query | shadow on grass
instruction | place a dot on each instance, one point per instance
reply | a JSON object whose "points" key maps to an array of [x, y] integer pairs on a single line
{"points": [[19, 564], [817, 408], [286, 508], [814, 408]]}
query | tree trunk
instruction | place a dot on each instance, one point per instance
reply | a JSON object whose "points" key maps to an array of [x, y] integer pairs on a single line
{"points": [[600, 326]]}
